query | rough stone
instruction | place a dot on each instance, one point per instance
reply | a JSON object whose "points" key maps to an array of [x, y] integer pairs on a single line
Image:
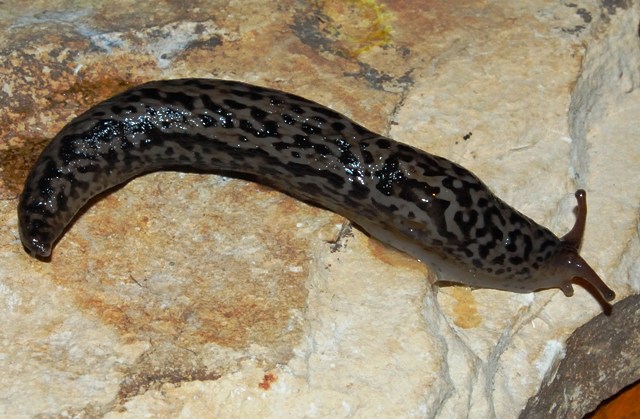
{"points": [[193, 295]]}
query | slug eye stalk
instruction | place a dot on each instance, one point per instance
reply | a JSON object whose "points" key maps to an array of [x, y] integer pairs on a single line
{"points": [[571, 264]]}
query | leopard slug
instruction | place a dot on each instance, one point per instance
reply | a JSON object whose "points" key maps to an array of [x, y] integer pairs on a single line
{"points": [[424, 205]]}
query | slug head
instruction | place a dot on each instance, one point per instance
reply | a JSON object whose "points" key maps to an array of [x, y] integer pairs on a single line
{"points": [[568, 265]]}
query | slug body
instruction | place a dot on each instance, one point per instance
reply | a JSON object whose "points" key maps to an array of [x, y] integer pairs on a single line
{"points": [[422, 204]]}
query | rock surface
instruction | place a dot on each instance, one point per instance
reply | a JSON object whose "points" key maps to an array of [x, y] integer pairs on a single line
{"points": [[184, 294]]}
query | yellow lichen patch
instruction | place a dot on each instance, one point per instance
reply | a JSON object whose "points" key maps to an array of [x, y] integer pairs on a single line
{"points": [[465, 311], [356, 26]]}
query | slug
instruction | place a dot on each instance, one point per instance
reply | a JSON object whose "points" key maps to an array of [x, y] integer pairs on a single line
{"points": [[425, 205]]}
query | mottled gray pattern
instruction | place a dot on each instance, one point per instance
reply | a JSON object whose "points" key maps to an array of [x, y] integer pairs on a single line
{"points": [[422, 204]]}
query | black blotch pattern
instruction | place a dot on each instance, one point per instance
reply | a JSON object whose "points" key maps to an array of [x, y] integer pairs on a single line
{"points": [[151, 93], [111, 157], [299, 169], [359, 191], [288, 119], [256, 96], [347, 158], [385, 209], [125, 144], [271, 129], [485, 249], [415, 191], [182, 99], [302, 141], [546, 245], [309, 129], [367, 157], [528, 247], [275, 101], [435, 209], [430, 165], [258, 114], [326, 112], [462, 192], [338, 126], [499, 260], [513, 237], [131, 97], [199, 83], [496, 234], [467, 224], [516, 260], [312, 188], [319, 119], [227, 117], [252, 94], [389, 175], [233, 104], [383, 143], [322, 149], [360, 130], [281, 145], [465, 251], [462, 173], [208, 121], [118, 110], [268, 128], [296, 109], [185, 144]]}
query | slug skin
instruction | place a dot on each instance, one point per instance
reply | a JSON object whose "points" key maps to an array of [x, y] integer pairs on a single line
{"points": [[425, 205]]}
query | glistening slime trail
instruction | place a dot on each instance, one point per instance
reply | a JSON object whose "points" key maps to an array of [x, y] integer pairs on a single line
{"points": [[425, 205]]}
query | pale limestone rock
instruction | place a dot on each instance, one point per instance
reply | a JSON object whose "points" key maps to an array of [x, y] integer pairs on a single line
{"points": [[190, 295]]}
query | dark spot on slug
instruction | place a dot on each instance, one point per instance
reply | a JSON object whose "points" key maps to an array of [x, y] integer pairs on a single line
{"points": [[258, 114], [326, 112], [383, 143], [338, 126], [288, 119], [322, 149], [234, 104], [359, 191], [207, 121], [309, 129]]}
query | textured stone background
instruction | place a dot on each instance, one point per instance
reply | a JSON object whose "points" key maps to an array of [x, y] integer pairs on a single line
{"points": [[185, 294]]}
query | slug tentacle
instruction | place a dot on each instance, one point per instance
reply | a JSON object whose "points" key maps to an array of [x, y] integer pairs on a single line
{"points": [[570, 264], [574, 237], [425, 205]]}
